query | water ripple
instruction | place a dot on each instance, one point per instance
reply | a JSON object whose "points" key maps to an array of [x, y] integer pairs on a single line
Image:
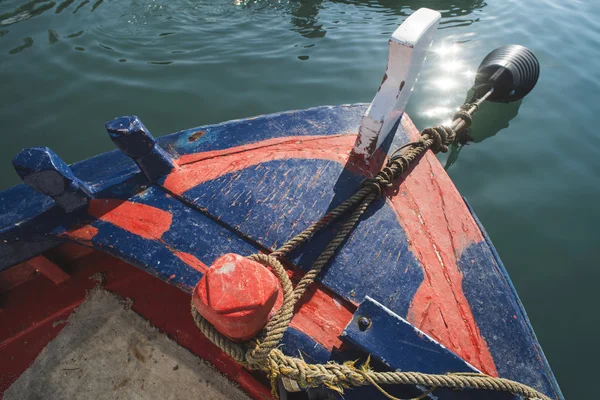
{"points": [[183, 63]]}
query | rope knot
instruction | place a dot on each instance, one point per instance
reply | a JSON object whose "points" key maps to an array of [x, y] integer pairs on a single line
{"points": [[384, 179], [463, 135], [441, 135], [463, 114]]}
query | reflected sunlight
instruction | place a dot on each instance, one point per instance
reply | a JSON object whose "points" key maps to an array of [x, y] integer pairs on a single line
{"points": [[452, 73], [446, 49], [453, 65], [445, 83], [469, 74], [437, 112]]}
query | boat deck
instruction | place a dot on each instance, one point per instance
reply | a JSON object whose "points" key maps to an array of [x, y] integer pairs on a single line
{"points": [[64, 339], [107, 351]]}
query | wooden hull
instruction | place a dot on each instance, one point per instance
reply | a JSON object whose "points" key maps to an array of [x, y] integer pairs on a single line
{"points": [[245, 186]]}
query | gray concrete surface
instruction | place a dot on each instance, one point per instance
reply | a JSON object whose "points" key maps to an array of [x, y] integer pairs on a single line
{"points": [[109, 352]]}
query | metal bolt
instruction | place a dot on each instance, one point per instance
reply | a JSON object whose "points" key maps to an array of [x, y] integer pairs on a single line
{"points": [[364, 323]]}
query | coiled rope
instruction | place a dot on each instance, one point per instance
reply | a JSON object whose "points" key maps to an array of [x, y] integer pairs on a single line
{"points": [[262, 353]]}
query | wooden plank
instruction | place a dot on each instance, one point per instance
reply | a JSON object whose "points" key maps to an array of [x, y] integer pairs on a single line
{"points": [[396, 343], [21, 204], [44, 171], [322, 121], [15, 276], [378, 331], [49, 269]]}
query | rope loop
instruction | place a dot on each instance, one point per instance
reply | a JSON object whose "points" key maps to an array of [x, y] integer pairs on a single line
{"points": [[465, 116], [396, 165], [436, 137], [467, 106], [278, 324], [441, 136]]}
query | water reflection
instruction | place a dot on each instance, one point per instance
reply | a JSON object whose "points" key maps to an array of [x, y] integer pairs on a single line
{"points": [[83, 3], [310, 18], [446, 82], [74, 35], [451, 76], [97, 4], [306, 21], [305, 18], [26, 11], [63, 5], [448, 9], [35, 8], [27, 43], [488, 121], [305, 13], [52, 36]]}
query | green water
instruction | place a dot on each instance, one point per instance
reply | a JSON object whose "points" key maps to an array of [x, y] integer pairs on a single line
{"points": [[67, 67]]}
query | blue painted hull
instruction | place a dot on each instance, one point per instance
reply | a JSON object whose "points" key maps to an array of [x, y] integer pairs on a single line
{"points": [[246, 186]]}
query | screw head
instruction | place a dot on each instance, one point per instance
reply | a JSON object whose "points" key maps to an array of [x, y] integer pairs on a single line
{"points": [[364, 323]]}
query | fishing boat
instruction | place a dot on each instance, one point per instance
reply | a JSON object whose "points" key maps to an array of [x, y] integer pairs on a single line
{"points": [[325, 252]]}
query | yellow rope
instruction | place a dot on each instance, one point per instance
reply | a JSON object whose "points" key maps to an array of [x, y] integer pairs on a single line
{"points": [[262, 352]]}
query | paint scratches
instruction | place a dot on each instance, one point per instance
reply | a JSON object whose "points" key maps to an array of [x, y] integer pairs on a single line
{"points": [[191, 260], [81, 233], [429, 208], [140, 219], [201, 167], [439, 226], [322, 317]]}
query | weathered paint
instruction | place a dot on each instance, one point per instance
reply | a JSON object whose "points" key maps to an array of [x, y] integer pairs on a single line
{"points": [[472, 345], [439, 227], [250, 194], [202, 167], [81, 234], [399, 344], [323, 316], [134, 139], [301, 344], [236, 295], [502, 326], [318, 121], [141, 219], [44, 171], [21, 206], [191, 260], [263, 205], [407, 48]]}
